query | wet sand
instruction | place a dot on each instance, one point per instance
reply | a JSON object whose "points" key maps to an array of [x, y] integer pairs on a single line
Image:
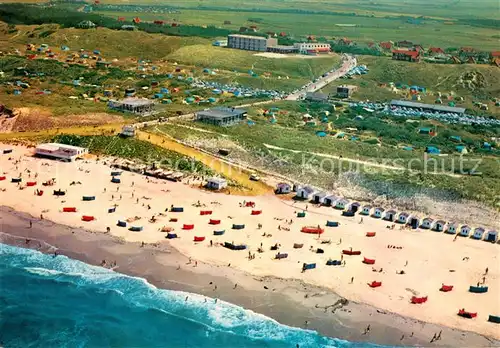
{"points": [[291, 302]]}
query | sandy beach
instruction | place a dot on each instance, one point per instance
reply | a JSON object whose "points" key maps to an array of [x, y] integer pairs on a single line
{"points": [[419, 253]]}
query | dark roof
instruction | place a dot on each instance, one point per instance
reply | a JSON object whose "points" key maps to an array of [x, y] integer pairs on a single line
{"points": [[441, 108], [221, 112], [316, 95]]}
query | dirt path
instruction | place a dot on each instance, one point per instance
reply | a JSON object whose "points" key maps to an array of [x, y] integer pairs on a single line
{"points": [[239, 174]]}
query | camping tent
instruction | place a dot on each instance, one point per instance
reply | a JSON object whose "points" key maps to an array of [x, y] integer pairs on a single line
{"points": [[464, 231], [377, 213]]}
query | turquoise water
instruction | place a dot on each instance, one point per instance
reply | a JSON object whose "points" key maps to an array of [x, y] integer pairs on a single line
{"points": [[60, 302]]}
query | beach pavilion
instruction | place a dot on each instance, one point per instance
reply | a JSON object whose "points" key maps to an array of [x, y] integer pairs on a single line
{"points": [[390, 215]]}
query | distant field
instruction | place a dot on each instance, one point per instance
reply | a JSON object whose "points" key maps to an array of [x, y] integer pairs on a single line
{"points": [[366, 29], [473, 82], [436, 8]]}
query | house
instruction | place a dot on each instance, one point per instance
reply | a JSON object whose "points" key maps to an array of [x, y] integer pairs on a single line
{"points": [[366, 210], [344, 42], [465, 231], [377, 213], [403, 217], [215, 183], [283, 188], [452, 228], [478, 233], [406, 55], [305, 192], [491, 236], [316, 97], [341, 204], [390, 215], [434, 51], [221, 116], [330, 200], [319, 197], [127, 131], [405, 43], [386, 45], [439, 225], [354, 207], [467, 50], [346, 91], [426, 130], [495, 54], [427, 223], [413, 221]]}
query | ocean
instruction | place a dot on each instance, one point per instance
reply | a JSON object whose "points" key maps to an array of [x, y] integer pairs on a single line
{"points": [[48, 301]]}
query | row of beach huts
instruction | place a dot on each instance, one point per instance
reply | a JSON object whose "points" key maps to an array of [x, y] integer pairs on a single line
{"points": [[308, 193]]}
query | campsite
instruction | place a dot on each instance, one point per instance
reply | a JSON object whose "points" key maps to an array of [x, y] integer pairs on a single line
{"points": [[263, 151]]}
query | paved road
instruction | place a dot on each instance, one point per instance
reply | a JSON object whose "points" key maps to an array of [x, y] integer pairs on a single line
{"points": [[348, 62]]}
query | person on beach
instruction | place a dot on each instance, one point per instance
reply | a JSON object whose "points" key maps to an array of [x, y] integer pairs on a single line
{"points": [[235, 286], [352, 280], [31, 224], [486, 271]]}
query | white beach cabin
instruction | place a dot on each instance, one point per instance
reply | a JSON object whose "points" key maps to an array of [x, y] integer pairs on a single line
{"points": [[427, 223], [305, 192], [330, 200], [341, 204], [390, 215], [403, 217], [464, 231], [319, 197], [216, 183], [491, 236], [377, 213], [413, 221], [354, 207], [283, 188], [439, 226], [366, 210], [478, 233], [452, 228]]}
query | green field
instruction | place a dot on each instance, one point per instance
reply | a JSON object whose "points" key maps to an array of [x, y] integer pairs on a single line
{"points": [[440, 23]]}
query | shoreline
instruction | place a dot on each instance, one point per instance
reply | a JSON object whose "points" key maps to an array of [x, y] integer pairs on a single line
{"points": [[289, 301]]}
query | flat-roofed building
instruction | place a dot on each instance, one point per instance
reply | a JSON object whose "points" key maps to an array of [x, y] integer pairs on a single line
{"points": [[221, 116], [143, 107], [346, 91], [312, 47], [250, 43], [60, 151]]}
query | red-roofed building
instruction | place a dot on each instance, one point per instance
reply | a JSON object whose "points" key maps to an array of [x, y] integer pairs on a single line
{"points": [[282, 34], [418, 48], [136, 20], [496, 61], [121, 19], [344, 42], [408, 56], [495, 54], [311, 38], [386, 45], [435, 51], [467, 49]]}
